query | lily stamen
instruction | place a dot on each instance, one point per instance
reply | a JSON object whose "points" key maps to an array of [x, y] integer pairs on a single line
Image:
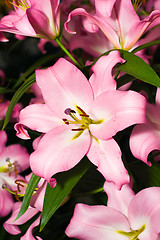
{"points": [[77, 129]]}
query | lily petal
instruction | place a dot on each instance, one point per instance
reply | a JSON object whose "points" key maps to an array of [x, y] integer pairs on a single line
{"points": [[119, 199], [3, 137], [62, 154], [36, 117], [102, 79], [144, 139], [69, 85], [117, 110], [106, 155], [97, 222]]}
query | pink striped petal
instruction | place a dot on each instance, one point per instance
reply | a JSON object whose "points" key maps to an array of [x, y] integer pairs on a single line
{"points": [[106, 155], [62, 154]]}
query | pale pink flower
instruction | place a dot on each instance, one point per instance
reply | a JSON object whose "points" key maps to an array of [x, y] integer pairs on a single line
{"points": [[33, 18], [80, 117], [4, 106], [13, 160], [36, 205], [126, 216], [146, 137], [118, 20]]}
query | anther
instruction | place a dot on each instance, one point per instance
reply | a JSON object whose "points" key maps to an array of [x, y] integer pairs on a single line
{"points": [[65, 121], [77, 129], [83, 114]]}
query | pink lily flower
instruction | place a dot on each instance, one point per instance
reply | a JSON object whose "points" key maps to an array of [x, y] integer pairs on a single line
{"points": [[127, 216], [13, 160], [111, 18], [36, 205], [80, 117], [146, 137], [33, 18]]}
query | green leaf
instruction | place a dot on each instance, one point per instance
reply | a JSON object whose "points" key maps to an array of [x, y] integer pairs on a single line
{"points": [[18, 94], [136, 67], [65, 182], [28, 194], [145, 46]]}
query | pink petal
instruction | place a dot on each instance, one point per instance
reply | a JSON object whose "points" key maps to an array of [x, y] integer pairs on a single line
{"points": [[143, 206], [40, 23], [144, 139], [139, 28], [97, 222], [37, 117], [69, 85], [24, 27], [11, 225], [94, 23], [119, 199], [61, 154], [158, 97], [6, 202], [18, 154], [106, 155], [102, 79], [118, 110], [104, 8], [28, 235], [3, 137]]}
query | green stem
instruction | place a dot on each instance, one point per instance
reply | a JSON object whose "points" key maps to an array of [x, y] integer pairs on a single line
{"points": [[68, 53], [90, 192]]}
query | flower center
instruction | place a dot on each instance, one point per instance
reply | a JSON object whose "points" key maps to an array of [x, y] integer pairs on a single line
{"points": [[21, 188], [21, 4], [137, 4], [9, 167], [83, 120], [132, 235]]}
